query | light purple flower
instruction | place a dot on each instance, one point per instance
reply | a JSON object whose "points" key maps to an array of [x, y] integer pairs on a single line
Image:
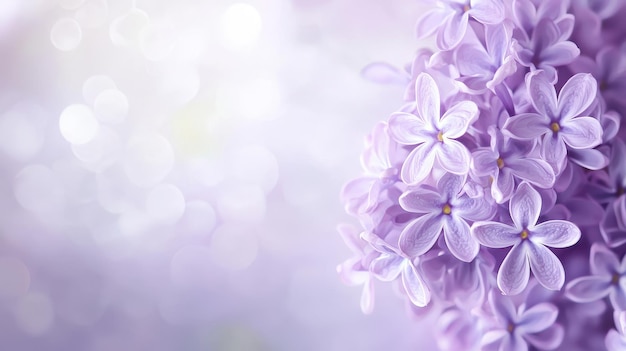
{"points": [[450, 19], [556, 123], [608, 278], [616, 338], [433, 134], [530, 241], [505, 161], [445, 209], [392, 264], [515, 329]]}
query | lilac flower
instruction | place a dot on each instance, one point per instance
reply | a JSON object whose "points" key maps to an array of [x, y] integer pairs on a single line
{"points": [[451, 17], [445, 209], [616, 338], [556, 123], [608, 278], [515, 329], [433, 134], [392, 264], [529, 241], [506, 161]]}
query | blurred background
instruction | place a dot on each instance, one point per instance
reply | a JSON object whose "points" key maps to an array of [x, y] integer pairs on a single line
{"points": [[170, 171]]}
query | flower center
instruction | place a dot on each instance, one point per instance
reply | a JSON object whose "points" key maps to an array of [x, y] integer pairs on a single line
{"points": [[524, 234], [500, 163], [510, 327], [446, 209], [440, 136], [615, 279], [555, 127], [466, 8]]}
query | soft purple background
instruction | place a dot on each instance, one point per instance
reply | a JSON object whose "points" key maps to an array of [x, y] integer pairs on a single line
{"points": [[203, 216]]}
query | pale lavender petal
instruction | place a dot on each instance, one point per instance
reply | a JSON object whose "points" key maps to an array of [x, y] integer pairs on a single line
{"points": [[556, 233], [414, 286], [553, 150], [603, 261], [588, 289], [418, 164], [581, 132], [450, 185], [525, 206], [525, 14], [457, 119], [546, 267], [458, 239], [542, 94], [538, 318], [536, 171], [589, 158], [487, 11], [472, 60], [427, 99], [453, 157], [420, 235], [620, 321], [408, 129], [484, 162], [559, 54], [453, 30], [527, 126], [495, 235], [515, 342], [548, 339], [421, 201], [576, 95], [386, 267], [356, 194], [514, 272], [618, 299], [431, 21], [474, 209], [503, 186], [614, 341], [497, 40], [367, 297], [566, 25], [612, 234]]}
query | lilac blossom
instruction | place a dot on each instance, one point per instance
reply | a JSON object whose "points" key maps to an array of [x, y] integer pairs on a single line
{"points": [[608, 278], [616, 338], [515, 329], [530, 241], [445, 209], [433, 133], [506, 161], [556, 122], [450, 19]]}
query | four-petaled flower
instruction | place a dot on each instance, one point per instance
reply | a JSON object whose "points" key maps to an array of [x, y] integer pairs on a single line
{"points": [[432, 133], [608, 278], [444, 209], [556, 121], [529, 241]]}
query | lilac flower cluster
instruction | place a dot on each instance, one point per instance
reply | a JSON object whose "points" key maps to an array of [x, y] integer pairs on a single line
{"points": [[494, 196]]}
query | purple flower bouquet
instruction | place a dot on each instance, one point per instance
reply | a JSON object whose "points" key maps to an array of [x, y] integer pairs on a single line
{"points": [[494, 197]]}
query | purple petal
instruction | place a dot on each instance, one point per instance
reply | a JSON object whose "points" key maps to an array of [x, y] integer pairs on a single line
{"points": [[458, 239], [502, 188], [603, 261], [367, 297], [386, 267], [487, 11], [553, 150], [450, 185], [408, 129], [548, 339], [525, 14], [421, 201], [556, 233], [453, 157], [536, 171], [453, 31], [495, 235], [612, 234], [414, 286], [420, 235], [474, 209], [502, 307], [514, 272], [581, 132], [559, 54], [515, 342], [525, 206], [497, 40], [589, 158], [484, 162], [542, 94], [428, 99], [546, 267], [588, 289], [614, 341], [418, 164], [618, 299], [356, 194], [527, 126], [585, 212], [620, 321], [538, 318], [431, 21], [457, 119], [576, 95], [472, 60]]}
